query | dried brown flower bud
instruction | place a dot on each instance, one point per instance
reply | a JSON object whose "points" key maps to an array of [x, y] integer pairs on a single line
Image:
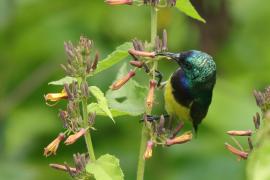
{"points": [[74, 137], [240, 133], [119, 2], [95, 62], [62, 167], [63, 116], [119, 83], [149, 150], [142, 53], [53, 146], [241, 154], [84, 89], [137, 64], [151, 93], [164, 41], [250, 144], [180, 139]]}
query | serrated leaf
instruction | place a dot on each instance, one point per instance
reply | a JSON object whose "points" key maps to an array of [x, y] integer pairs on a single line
{"points": [[94, 107], [65, 80], [107, 167], [128, 99], [115, 57], [186, 7], [102, 101]]}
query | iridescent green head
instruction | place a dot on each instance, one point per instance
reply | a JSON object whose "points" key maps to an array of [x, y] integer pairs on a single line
{"points": [[198, 66]]}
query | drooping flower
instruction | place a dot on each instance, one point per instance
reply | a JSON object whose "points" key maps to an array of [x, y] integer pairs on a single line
{"points": [[119, 2], [179, 139], [149, 150], [74, 137], [53, 146], [53, 97], [151, 93], [119, 83]]}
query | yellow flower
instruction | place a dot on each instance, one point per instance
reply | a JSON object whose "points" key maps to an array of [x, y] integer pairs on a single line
{"points": [[149, 150], [53, 146], [56, 96], [74, 137]]}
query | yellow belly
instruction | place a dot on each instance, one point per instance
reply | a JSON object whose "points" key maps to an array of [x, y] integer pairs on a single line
{"points": [[172, 107]]}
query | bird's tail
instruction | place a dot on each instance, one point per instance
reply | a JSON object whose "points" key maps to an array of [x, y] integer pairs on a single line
{"points": [[195, 130]]}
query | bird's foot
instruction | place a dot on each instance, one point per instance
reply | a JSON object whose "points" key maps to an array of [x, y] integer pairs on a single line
{"points": [[176, 130], [152, 118]]}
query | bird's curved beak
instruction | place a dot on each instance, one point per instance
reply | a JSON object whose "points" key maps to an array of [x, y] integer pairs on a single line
{"points": [[173, 56]]}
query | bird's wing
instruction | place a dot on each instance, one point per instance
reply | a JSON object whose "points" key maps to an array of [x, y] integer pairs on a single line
{"points": [[198, 111]]}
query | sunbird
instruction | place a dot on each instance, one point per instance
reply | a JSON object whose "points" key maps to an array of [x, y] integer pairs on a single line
{"points": [[188, 92]]}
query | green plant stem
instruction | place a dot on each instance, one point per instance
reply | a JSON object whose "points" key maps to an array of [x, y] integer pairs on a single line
{"points": [[145, 134], [87, 135]]}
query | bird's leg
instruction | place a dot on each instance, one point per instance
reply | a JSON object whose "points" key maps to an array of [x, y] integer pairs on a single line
{"points": [[177, 129]]}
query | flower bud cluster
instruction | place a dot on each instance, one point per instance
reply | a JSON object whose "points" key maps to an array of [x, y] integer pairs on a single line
{"points": [[80, 63]]}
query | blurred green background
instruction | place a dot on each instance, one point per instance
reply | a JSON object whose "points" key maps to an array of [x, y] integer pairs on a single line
{"points": [[31, 48]]}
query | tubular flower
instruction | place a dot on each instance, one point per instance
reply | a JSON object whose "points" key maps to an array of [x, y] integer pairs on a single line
{"points": [[119, 2], [74, 137], [56, 96], [119, 83], [53, 146], [150, 96], [180, 139], [149, 150]]}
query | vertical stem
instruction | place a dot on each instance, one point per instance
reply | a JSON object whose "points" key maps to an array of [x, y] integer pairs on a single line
{"points": [[144, 135], [87, 135]]}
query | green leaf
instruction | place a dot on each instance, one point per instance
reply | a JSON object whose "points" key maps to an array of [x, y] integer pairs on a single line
{"points": [[65, 80], [107, 167], [186, 7], [128, 99], [102, 101], [115, 57], [95, 108]]}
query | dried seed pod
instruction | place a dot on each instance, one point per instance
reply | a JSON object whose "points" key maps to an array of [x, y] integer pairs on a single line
{"points": [[119, 83], [180, 139], [142, 53], [95, 62], [164, 41], [138, 64], [150, 96], [74, 137], [62, 167], [69, 93], [241, 154], [240, 133], [119, 2]]}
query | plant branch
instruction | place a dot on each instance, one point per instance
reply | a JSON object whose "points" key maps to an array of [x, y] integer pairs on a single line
{"points": [[87, 135], [144, 135]]}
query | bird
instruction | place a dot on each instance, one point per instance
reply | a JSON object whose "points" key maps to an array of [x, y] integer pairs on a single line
{"points": [[188, 92]]}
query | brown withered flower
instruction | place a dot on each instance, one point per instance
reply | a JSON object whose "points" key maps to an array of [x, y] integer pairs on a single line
{"points": [[150, 96], [179, 139], [119, 83], [74, 137], [53, 146], [119, 2]]}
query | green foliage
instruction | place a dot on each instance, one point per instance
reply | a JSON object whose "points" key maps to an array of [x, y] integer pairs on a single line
{"points": [[128, 99], [65, 80], [102, 102], [107, 167], [186, 7], [115, 57]]}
